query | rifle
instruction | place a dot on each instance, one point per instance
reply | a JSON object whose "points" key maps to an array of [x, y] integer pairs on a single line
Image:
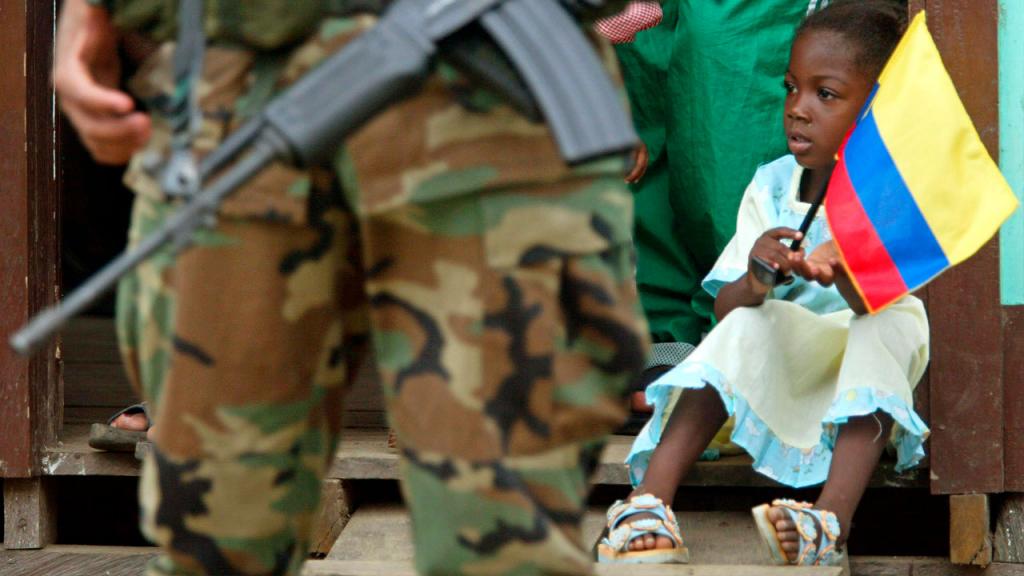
{"points": [[557, 76]]}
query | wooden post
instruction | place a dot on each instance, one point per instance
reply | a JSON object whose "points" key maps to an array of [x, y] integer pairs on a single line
{"points": [[30, 406], [966, 376], [1008, 544], [970, 537], [1013, 404], [29, 513]]}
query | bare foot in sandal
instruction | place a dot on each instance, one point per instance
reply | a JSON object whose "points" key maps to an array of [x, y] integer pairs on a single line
{"points": [[641, 529], [800, 533], [789, 538], [123, 430], [647, 541], [135, 421]]}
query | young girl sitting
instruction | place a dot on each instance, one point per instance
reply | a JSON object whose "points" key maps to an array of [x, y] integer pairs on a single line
{"points": [[816, 387]]}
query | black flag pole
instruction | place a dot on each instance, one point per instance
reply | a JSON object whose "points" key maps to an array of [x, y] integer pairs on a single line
{"points": [[764, 271]]}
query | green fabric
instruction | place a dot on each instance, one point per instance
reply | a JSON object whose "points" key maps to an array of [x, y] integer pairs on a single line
{"points": [[706, 89], [259, 24]]}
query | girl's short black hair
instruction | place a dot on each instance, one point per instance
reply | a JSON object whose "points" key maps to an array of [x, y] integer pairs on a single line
{"points": [[874, 27]]}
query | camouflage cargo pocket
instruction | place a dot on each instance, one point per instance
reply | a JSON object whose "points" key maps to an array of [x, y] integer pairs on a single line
{"points": [[561, 290]]}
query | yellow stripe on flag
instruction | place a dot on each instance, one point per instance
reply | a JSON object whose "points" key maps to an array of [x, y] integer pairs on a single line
{"points": [[959, 189]]}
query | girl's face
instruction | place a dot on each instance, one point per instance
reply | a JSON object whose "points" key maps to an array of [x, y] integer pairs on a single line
{"points": [[824, 92]]}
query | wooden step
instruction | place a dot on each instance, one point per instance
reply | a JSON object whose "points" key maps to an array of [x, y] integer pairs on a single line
{"points": [[392, 568], [65, 560], [382, 533], [363, 455], [76, 561]]}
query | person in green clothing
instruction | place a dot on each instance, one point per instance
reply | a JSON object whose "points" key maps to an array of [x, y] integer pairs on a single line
{"points": [[705, 87]]}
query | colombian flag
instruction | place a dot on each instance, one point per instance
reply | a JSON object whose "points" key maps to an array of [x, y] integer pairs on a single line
{"points": [[914, 191]]}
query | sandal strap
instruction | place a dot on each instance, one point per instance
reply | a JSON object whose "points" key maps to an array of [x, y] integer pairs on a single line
{"points": [[621, 533], [140, 408], [818, 530]]}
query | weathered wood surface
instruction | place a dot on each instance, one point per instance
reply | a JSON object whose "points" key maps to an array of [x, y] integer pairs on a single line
{"points": [[30, 514], [970, 532], [93, 373], [90, 340], [1008, 540], [363, 455], [966, 377], [1013, 394], [916, 566], [76, 561], [125, 561], [375, 533], [97, 384], [29, 390], [369, 568], [15, 427], [72, 456], [43, 191], [334, 515], [383, 533]]}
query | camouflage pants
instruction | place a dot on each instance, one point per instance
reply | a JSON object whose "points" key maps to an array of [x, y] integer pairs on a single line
{"points": [[500, 383], [495, 286]]}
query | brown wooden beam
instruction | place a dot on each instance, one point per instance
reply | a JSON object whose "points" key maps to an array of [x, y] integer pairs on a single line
{"points": [[970, 534], [15, 428], [29, 181], [336, 507], [29, 513], [1013, 394], [1007, 544], [966, 376]]}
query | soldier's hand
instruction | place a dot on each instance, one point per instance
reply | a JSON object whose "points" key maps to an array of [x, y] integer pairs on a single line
{"points": [[640, 159], [86, 73]]}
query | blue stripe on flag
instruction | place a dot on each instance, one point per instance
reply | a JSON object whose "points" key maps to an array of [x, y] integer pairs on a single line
{"points": [[890, 206]]}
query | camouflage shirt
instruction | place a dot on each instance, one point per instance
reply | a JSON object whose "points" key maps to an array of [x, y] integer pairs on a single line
{"points": [[260, 24], [238, 80]]}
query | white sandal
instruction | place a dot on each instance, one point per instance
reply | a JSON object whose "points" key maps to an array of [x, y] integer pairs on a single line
{"points": [[621, 531]]}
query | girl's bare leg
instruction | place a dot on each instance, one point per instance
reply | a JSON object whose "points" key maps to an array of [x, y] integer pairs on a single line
{"points": [[858, 448], [696, 419]]}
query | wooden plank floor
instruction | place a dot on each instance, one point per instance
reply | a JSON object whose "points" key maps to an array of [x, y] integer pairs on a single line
{"points": [[383, 533], [364, 455], [129, 561], [75, 561], [110, 561], [369, 568]]}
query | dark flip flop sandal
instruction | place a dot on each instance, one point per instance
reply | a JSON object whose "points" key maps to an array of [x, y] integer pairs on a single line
{"points": [[112, 439], [142, 449]]}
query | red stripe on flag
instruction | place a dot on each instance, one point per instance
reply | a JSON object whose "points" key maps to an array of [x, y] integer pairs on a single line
{"points": [[867, 259]]}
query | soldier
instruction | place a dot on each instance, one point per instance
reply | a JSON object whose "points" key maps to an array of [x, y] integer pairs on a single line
{"points": [[493, 282]]}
